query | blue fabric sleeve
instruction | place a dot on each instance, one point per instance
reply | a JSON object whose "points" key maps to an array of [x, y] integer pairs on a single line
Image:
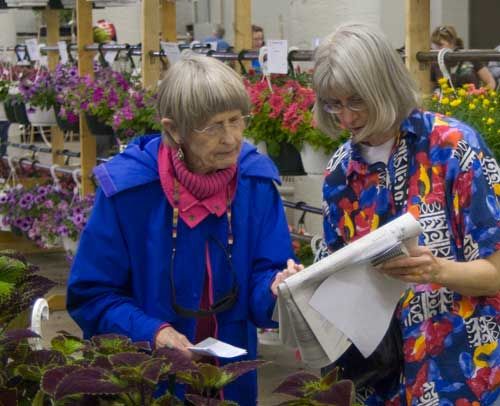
{"points": [[99, 295], [272, 249]]}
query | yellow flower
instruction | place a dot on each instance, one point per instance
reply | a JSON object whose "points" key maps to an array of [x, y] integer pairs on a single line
{"points": [[445, 101], [443, 81], [492, 93], [462, 92], [472, 106], [456, 102], [448, 90], [448, 113], [486, 102], [491, 109], [490, 121]]}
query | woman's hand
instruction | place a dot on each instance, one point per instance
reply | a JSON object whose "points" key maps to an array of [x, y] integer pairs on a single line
{"points": [[291, 269], [169, 337], [420, 267]]}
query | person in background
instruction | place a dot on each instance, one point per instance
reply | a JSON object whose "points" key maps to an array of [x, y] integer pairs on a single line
{"points": [[494, 67], [218, 36], [188, 237], [463, 72], [257, 43], [402, 159]]}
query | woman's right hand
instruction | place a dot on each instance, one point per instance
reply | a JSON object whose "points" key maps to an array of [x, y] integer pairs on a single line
{"points": [[169, 337]]}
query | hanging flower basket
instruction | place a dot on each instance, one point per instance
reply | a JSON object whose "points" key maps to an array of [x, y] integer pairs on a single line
{"points": [[314, 161], [9, 110], [98, 128], [288, 160], [41, 117], [20, 112], [64, 124]]}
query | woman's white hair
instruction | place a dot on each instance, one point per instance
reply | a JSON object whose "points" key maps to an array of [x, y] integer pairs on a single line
{"points": [[195, 89], [358, 60]]}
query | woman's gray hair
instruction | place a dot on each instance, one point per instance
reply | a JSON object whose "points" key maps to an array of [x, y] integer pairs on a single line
{"points": [[195, 89], [358, 60]]}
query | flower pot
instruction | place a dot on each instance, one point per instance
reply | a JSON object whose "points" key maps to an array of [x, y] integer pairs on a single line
{"points": [[70, 246], [64, 124], [314, 161], [98, 128], [40, 117], [288, 161], [9, 111], [3, 115], [20, 112]]}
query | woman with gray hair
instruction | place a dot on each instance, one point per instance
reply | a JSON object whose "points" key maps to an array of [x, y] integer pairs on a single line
{"points": [[188, 237], [401, 159]]}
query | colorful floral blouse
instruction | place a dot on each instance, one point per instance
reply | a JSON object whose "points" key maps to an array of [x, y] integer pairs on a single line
{"points": [[441, 171]]}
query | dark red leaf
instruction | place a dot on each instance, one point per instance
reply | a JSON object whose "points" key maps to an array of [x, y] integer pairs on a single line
{"points": [[89, 381], [152, 370], [8, 397], [129, 359], [102, 362], [294, 385], [44, 358], [51, 378], [340, 394], [142, 346], [179, 361], [331, 377], [18, 334], [240, 368]]}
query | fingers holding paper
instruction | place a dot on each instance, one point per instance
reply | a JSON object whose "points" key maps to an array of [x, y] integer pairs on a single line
{"points": [[419, 267], [291, 269], [169, 337]]}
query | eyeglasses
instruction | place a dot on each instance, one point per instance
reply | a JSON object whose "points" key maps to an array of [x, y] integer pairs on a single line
{"points": [[239, 123], [354, 104], [226, 301]]}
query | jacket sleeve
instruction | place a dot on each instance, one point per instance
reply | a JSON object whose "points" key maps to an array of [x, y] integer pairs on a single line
{"points": [[272, 248], [99, 294]]}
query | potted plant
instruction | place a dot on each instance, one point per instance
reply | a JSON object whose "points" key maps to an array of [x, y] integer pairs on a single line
{"points": [[66, 82], [479, 108], [39, 94], [136, 116], [283, 118]]}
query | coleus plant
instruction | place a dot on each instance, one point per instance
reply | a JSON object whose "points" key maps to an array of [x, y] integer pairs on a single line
{"points": [[309, 390], [107, 369]]}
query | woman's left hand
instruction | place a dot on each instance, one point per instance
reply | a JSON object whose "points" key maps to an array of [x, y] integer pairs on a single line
{"points": [[292, 268], [420, 267]]}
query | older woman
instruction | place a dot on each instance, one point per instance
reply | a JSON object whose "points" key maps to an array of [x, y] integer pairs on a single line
{"points": [[401, 159], [188, 237]]}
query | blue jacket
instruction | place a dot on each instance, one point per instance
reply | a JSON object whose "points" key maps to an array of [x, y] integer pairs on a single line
{"points": [[120, 278]]}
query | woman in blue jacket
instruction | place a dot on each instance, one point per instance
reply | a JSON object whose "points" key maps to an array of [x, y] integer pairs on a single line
{"points": [[188, 237]]}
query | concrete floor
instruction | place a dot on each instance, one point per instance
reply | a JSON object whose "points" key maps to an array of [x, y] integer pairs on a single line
{"points": [[283, 360]]}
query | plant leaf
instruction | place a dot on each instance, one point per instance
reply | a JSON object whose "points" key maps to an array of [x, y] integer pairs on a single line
{"points": [[67, 344], [17, 335], [108, 344], [339, 394], [236, 369], [179, 361], [88, 381], [142, 346], [52, 377], [130, 359], [331, 377], [295, 384]]}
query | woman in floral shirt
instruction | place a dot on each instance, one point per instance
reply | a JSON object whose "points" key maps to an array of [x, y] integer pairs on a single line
{"points": [[403, 159]]}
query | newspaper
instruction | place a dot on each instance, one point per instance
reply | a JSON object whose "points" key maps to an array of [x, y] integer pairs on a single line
{"points": [[320, 341]]}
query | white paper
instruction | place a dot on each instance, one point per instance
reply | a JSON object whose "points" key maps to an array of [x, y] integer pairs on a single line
{"points": [[302, 326], [32, 46], [171, 50], [63, 51], [360, 302], [110, 56], [277, 54], [216, 348]]}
